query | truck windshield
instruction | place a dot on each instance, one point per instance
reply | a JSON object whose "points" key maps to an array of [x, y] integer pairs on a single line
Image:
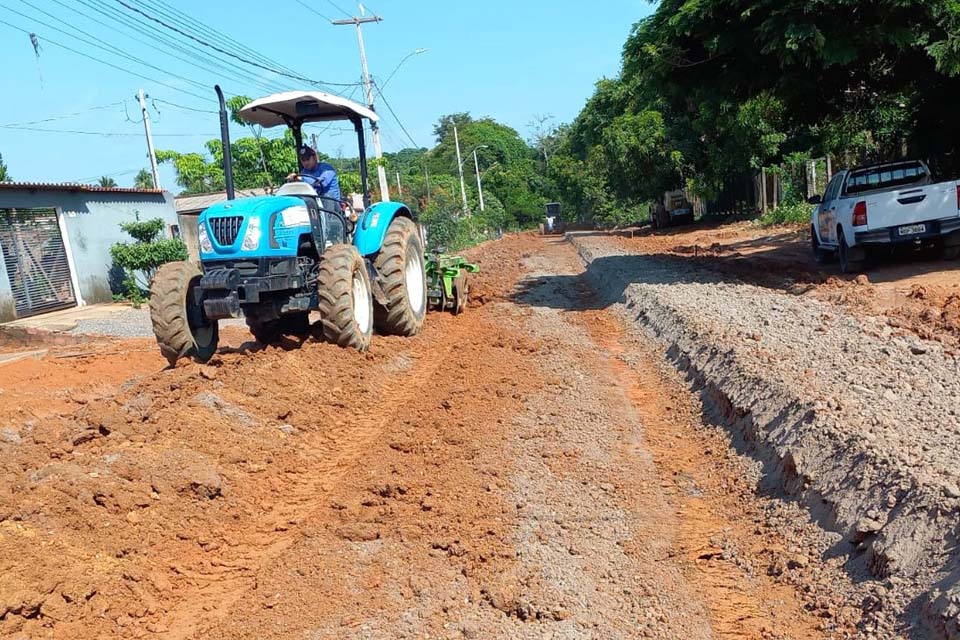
{"points": [[886, 177]]}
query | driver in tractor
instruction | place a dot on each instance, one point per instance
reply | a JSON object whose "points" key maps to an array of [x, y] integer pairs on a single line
{"points": [[321, 175]]}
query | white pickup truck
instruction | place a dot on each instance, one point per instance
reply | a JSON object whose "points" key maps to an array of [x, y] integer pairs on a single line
{"points": [[884, 205]]}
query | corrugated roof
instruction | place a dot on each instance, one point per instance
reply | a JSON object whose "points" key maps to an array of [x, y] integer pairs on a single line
{"points": [[204, 200], [72, 186]]}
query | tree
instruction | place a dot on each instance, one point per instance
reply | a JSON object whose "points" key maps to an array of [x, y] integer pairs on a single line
{"points": [[140, 260], [143, 180], [107, 182], [4, 174]]}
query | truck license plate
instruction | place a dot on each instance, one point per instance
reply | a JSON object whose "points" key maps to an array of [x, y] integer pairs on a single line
{"points": [[912, 229]]}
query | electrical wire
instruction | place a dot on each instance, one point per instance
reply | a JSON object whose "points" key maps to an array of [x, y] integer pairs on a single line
{"points": [[63, 117], [181, 18], [192, 55], [337, 7], [108, 134], [106, 47], [312, 10], [104, 62], [395, 117], [180, 106], [223, 51]]}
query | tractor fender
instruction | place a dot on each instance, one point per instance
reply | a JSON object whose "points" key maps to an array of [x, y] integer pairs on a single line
{"points": [[373, 224]]}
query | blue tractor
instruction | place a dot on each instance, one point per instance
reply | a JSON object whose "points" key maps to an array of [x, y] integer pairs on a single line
{"points": [[274, 259]]}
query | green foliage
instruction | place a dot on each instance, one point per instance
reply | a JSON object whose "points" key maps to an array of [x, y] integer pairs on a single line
{"points": [[107, 182], [144, 231], [144, 256], [4, 174], [797, 213], [143, 180], [712, 89]]}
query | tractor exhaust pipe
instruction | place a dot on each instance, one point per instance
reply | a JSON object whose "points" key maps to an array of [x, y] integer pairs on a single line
{"points": [[225, 141]]}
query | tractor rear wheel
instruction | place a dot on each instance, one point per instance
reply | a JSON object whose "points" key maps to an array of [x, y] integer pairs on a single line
{"points": [[177, 315], [346, 303], [401, 268], [268, 331]]}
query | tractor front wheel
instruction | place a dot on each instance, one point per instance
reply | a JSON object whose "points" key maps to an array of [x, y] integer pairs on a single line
{"points": [[177, 316], [346, 302], [401, 267]]}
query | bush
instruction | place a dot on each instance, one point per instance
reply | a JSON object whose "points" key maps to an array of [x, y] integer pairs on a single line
{"points": [[140, 260], [798, 213]]}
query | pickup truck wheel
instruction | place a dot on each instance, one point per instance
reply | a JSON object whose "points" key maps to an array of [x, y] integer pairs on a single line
{"points": [[951, 246], [820, 255], [851, 258]]}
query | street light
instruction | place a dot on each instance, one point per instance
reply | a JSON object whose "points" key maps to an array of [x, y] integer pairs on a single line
{"points": [[415, 52]]}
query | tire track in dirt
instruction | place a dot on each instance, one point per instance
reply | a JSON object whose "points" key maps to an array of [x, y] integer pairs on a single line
{"points": [[331, 453]]}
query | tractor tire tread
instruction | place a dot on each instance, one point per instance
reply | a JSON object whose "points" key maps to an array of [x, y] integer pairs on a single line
{"points": [[168, 313], [397, 317], [335, 295]]}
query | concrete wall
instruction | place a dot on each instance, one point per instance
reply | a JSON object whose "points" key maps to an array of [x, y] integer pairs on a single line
{"points": [[92, 221]]}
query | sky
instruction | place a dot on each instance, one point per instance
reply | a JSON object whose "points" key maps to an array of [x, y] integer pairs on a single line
{"points": [[507, 59]]}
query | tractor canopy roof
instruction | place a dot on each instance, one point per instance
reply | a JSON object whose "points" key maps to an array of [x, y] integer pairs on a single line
{"points": [[303, 106]]}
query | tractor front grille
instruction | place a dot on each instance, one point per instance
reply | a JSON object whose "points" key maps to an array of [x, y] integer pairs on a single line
{"points": [[226, 230]]}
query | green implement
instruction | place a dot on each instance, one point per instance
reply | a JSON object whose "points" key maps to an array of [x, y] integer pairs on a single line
{"points": [[447, 286]]}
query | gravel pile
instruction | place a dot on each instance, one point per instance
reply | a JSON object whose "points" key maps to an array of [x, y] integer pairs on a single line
{"points": [[129, 323], [858, 421]]}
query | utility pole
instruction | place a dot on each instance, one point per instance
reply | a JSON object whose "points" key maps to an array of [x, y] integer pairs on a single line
{"points": [[150, 151], [313, 139], [476, 165], [399, 186], [463, 187], [374, 126]]}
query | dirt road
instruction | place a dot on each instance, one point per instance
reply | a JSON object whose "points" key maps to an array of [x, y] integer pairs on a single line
{"points": [[532, 469]]}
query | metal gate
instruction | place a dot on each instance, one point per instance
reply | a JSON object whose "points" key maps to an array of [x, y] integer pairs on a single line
{"points": [[36, 260]]}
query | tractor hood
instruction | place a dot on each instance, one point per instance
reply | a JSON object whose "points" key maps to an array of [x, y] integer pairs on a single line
{"points": [[258, 227]]}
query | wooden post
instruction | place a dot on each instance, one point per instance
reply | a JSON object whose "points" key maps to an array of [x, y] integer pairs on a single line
{"points": [[763, 191]]}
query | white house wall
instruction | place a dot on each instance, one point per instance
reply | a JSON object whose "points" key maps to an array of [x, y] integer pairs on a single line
{"points": [[92, 221]]}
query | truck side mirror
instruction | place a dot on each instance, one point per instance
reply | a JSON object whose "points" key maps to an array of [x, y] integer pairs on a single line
{"points": [[815, 199]]}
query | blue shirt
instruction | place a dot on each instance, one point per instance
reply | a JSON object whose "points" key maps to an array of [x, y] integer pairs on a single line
{"points": [[325, 180]]}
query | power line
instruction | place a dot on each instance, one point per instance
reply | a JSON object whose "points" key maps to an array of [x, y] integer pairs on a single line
{"points": [[189, 22], [338, 8], [394, 114], [104, 62], [159, 36], [180, 106], [312, 10], [105, 46], [247, 61], [63, 117], [107, 134]]}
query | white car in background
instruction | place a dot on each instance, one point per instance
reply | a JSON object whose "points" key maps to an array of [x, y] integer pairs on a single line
{"points": [[884, 205]]}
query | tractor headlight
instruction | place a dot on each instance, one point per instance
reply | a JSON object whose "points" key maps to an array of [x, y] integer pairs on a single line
{"points": [[296, 216], [251, 239], [205, 245]]}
